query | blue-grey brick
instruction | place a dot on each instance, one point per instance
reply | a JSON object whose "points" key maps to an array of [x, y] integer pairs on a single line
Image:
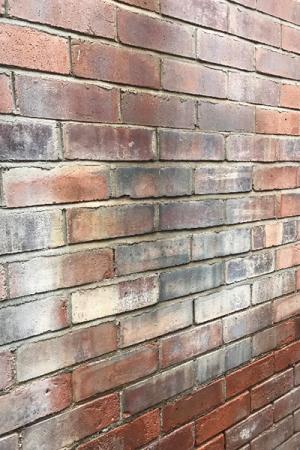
{"points": [[271, 287], [210, 366], [237, 354], [250, 266], [222, 179]]}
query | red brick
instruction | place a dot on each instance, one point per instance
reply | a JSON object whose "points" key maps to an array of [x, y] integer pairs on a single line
{"points": [[109, 374], [192, 406], [272, 338], [268, 391], [66, 100], [42, 274], [222, 418], [152, 5], [250, 209], [149, 32], [288, 256], [182, 439], [131, 436], [289, 205], [251, 148], [94, 17], [100, 61], [154, 110], [157, 389], [213, 180], [242, 379], [32, 186], [270, 178], [275, 436], [87, 224], [287, 356], [290, 39], [277, 122], [226, 117], [86, 141], [217, 443], [3, 288], [32, 401], [290, 96], [247, 87], [6, 370], [33, 49], [289, 10], [286, 307], [287, 404], [64, 429], [6, 104], [277, 63]]}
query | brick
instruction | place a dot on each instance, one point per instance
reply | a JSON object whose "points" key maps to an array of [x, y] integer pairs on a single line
{"points": [[297, 374], [188, 145], [214, 180], [223, 243], [144, 256], [9, 442], [271, 389], [244, 323], [33, 49], [290, 39], [89, 224], [152, 5], [288, 11], [222, 418], [250, 209], [244, 87], [278, 434], [7, 104], [277, 122], [27, 140], [107, 143], [6, 371], [109, 374], [33, 186], [291, 444], [105, 301], [94, 17], [250, 266], [254, 26], [277, 63], [287, 404], [43, 274], [139, 182], [275, 337], [195, 79], [159, 388], [226, 117], [157, 110], [33, 318], [270, 178], [237, 354], [225, 50], [272, 287], [73, 425], [286, 307], [287, 356], [3, 283], [297, 418], [251, 148], [179, 440], [148, 32], [30, 402], [217, 443], [156, 322], [42, 229], [66, 350], [288, 149], [222, 303], [249, 428], [66, 100], [288, 256], [190, 280], [188, 408], [249, 4], [99, 61], [289, 96], [273, 234], [182, 346], [130, 436], [246, 377], [191, 214], [289, 205]]}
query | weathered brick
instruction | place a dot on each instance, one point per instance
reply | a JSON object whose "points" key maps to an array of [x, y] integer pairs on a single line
{"points": [[33, 186], [250, 266], [158, 388], [95, 17], [272, 338], [180, 439], [193, 78], [289, 205], [156, 322], [269, 390], [191, 214], [43, 274], [297, 374], [225, 50], [222, 303], [277, 122], [149, 32], [297, 419], [151, 255], [214, 180], [188, 145], [278, 434], [286, 307], [288, 149], [3, 282], [33, 318], [287, 404], [190, 280], [30, 402], [270, 178], [290, 39], [272, 287], [290, 96], [288, 256], [217, 443], [73, 425], [244, 87], [89, 224], [157, 110], [273, 234], [91, 304], [291, 444], [287, 356], [33, 49], [6, 371], [7, 104], [9, 442], [89, 141], [277, 63], [250, 209], [152, 5], [187, 344], [66, 100], [226, 117], [100, 61], [289, 11], [251, 148], [108, 374], [229, 242]]}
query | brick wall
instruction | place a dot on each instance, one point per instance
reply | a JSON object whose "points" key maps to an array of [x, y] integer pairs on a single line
{"points": [[150, 193]]}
